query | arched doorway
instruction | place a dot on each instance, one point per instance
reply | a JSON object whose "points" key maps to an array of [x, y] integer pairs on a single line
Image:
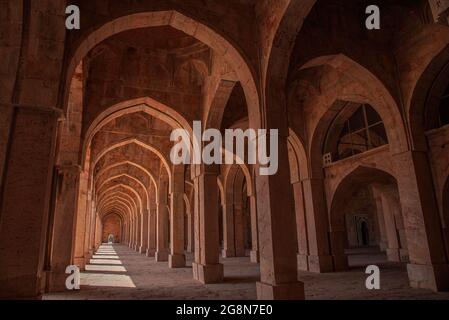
{"points": [[366, 220], [111, 228]]}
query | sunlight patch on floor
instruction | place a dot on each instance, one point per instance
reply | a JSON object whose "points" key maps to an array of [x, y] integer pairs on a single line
{"points": [[106, 261]]}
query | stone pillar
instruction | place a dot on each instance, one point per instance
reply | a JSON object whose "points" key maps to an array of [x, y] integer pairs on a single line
{"points": [[144, 232], [64, 221], [131, 232], [254, 230], [81, 222], [337, 237], [301, 229], [228, 228], [88, 246], [277, 233], [383, 242], [190, 231], [162, 223], [428, 267], [152, 222], [393, 253], [98, 232], [25, 201], [93, 226], [177, 257], [138, 232], [239, 228], [207, 267], [319, 259]]}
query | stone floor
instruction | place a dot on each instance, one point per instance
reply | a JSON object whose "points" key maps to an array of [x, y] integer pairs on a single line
{"points": [[117, 272]]}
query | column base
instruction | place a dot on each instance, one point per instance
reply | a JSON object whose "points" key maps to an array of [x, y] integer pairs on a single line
{"points": [[143, 250], [161, 256], [254, 256], [226, 253], [434, 277], [207, 274], [151, 253], [176, 261], [287, 291], [303, 262], [80, 262], [321, 264], [340, 262]]}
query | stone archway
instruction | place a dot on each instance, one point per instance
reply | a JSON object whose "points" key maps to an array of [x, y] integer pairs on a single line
{"points": [[187, 25], [366, 195], [111, 226]]}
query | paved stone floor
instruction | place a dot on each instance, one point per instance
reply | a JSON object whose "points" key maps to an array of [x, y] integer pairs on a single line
{"points": [[117, 272]]}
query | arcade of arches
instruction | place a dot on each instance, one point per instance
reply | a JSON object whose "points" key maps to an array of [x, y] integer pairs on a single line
{"points": [[86, 118]]}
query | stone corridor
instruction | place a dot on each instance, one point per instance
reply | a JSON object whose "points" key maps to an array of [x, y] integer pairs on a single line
{"points": [[119, 273], [356, 122]]}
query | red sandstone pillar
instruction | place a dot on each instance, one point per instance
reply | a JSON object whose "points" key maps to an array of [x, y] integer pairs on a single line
{"points": [[25, 201], [64, 221], [301, 222], [277, 233], [138, 232], [190, 231], [207, 267], [319, 259], [228, 228], [177, 257], [98, 232], [383, 241], [152, 222], [239, 228], [162, 223], [254, 230], [81, 222], [391, 232], [144, 232], [428, 266]]}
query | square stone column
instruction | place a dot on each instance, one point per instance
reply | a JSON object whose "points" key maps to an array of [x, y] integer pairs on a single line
{"points": [[190, 231], [386, 203], [82, 217], [239, 228], [207, 267], [131, 240], [277, 233], [162, 223], [62, 240], [255, 257], [428, 267], [152, 221], [90, 223], [177, 257], [144, 235], [138, 232], [25, 201], [301, 222], [319, 259], [228, 229]]}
